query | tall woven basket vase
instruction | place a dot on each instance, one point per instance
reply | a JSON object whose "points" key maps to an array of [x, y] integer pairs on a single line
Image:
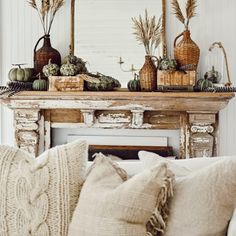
{"points": [[148, 75], [186, 52]]}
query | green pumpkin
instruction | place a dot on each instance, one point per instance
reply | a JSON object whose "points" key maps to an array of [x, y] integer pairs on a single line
{"points": [[107, 83], [50, 69], [20, 74], [78, 62], [167, 64], [68, 69], [134, 85], [213, 75], [203, 84], [40, 84]]}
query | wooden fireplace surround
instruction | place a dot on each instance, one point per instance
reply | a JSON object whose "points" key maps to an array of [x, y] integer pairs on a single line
{"points": [[194, 114]]}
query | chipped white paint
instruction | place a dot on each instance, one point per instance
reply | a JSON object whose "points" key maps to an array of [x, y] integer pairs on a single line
{"points": [[26, 130], [137, 118], [27, 126], [47, 135], [133, 113], [41, 131], [114, 118], [202, 129], [26, 115], [88, 117]]}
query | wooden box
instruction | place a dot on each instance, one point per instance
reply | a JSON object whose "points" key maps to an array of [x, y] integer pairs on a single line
{"points": [[176, 78], [66, 83]]}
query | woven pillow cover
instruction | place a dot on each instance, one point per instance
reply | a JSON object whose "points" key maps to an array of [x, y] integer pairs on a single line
{"points": [[204, 200], [38, 195], [110, 204]]}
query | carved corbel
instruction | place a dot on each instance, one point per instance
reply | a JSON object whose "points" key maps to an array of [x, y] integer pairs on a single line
{"points": [[89, 117], [27, 130], [202, 134]]}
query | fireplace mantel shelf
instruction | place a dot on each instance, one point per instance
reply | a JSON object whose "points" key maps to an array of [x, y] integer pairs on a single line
{"points": [[194, 114], [177, 101]]}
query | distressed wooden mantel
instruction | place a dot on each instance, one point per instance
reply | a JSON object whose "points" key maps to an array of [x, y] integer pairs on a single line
{"points": [[194, 114]]}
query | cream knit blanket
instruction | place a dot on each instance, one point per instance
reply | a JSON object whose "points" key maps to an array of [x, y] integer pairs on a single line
{"points": [[38, 196]]}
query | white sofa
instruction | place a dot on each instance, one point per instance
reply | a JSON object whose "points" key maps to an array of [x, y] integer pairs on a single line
{"points": [[134, 167]]}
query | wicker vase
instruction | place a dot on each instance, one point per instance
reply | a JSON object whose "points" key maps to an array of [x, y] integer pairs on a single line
{"points": [[186, 52], [46, 52], [148, 75]]}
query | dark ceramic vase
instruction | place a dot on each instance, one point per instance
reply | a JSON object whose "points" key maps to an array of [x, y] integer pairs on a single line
{"points": [[46, 52]]}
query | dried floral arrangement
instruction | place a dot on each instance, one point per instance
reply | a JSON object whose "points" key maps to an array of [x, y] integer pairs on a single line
{"points": [[46, 10], [148, 31], [190, 9]]}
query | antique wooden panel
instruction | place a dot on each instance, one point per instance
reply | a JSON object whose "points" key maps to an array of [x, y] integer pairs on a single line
{"points": [[113, 116], [202, 118], [163, 120], [66, 115]]}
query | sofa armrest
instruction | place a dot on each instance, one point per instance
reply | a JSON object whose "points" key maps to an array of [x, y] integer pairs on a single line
{"points": [[232, 225]]}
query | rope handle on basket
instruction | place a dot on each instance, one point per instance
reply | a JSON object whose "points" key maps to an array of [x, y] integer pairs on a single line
{"points": [[180, 35]]}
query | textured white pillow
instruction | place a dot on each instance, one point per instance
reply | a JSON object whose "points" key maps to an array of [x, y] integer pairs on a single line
{"points": [[111, 205], [204, 201], [38, 195], [150, 159]]}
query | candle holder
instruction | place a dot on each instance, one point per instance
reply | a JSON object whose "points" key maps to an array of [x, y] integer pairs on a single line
{"points": [[132, 68], [220, 46]]}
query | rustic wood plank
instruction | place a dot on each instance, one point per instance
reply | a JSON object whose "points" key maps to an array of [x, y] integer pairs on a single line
{"points": [[119, 95], [66, 115], [163, 120]]}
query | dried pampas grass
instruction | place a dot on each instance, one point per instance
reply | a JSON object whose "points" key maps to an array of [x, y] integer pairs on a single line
{"points": [[148, 31], [190, 9], [47, 10]]}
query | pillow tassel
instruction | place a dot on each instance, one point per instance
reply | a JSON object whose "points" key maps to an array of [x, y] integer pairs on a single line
{"points": [[157, 222]]}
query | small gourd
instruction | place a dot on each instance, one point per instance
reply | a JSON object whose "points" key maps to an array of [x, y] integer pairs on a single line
{"points": [[106, 83], [50, 69], [20, 74], [213, 75], [204, 84], [78, 62], [167, 64], [134, 85], [40, 84], [68, 69]]}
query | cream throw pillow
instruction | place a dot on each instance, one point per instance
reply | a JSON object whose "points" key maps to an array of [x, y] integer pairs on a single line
{"points": [[38, 195], [204, 201], [150, 159], [110, 205]]}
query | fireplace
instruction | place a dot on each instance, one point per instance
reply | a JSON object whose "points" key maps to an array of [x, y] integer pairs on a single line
{"points": [[124, 144]]}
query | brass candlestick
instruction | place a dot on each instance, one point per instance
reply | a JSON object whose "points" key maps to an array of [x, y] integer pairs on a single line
{"points": [[132, 68]]}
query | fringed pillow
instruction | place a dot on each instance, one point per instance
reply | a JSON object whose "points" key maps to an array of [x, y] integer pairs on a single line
{"points": [[112, 204], [204, 201], [38, 195]]}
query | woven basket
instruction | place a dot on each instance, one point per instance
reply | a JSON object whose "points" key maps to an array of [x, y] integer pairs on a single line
{"points": [[186, 52], [148, 75]]}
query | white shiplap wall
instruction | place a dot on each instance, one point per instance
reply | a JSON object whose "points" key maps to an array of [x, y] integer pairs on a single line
{"points": [[20, 30]]}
